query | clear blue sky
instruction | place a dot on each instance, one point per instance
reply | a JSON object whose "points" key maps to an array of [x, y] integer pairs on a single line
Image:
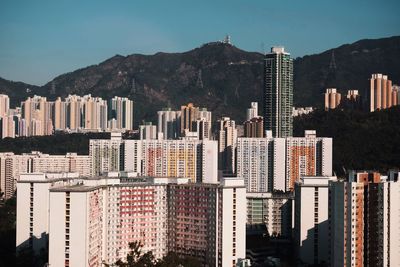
{"points": [[42, 39]]}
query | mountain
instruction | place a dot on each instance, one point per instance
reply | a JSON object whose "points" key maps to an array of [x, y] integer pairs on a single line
{"points": [[17, 91], [346, 67], [218, 76]]}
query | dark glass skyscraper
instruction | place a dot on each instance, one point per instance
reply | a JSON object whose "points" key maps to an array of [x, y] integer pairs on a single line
{"points": [[278, 93]]}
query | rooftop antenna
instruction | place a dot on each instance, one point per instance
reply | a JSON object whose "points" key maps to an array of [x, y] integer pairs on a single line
{"points": [[227, 39]]}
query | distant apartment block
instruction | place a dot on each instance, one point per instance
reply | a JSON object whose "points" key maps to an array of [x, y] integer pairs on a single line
{"points": [[169, 124], [381, 93], [38, 116], [254, 127], [12, 166], [227, 140], [4, 105], [332, 98], [195, 119], [302, 111], [189, 121], [148, 131], [252, 112]]}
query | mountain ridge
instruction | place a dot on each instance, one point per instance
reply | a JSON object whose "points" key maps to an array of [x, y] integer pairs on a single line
{"points": [[218, 76]]}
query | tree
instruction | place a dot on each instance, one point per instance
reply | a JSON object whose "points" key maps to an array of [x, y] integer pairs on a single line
{"points": [[136, 258]]}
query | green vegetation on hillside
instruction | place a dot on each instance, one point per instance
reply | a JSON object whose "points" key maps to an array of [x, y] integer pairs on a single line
{"points": [[7, 232], [58, 144], [361, 141]]}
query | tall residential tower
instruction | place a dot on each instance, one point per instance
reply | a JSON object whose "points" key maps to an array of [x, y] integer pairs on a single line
{"points": [[278, 93]]}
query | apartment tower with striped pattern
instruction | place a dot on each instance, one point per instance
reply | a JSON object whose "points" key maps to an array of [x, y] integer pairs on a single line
{"points": [[364, 219]]}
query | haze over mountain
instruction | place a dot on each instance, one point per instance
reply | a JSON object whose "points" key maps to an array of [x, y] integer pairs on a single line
{"points": [[218, 76]]}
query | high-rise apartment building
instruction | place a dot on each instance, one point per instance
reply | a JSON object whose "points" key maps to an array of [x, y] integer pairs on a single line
{"points": [[396, 95], [121, 109], [307, 156], [381, 94], [33, 204], [188, 116], [364, 220], [191, 158], [272, 211], [332, 98], [278, 93], [37, 113], [252, 112], [37, 116], [261, 163], [4, 105], [194, 119], [169, 123], [148, 131], [311, 227], [254, 127], [92, 221], [187, 157], [353, 95], [7, 126], [203, 128], [12, 166], [269, 164], [106, 154], [227, 139]]}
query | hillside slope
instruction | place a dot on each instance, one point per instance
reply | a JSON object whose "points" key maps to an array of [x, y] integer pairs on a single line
{"points": [[218, 76], [361, 141]]}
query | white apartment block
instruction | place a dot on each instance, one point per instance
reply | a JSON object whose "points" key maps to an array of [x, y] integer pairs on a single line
{"points": [[105, 154], [261, 162], [168, 124], [33, 208], [252, 112], [269, 164], [92, 220], [148, 131], [311, 228], [12, 166], [272, 210]]}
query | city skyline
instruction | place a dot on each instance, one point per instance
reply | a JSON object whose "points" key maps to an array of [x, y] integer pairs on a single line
{"points": [[44, 42], [213, 157]]}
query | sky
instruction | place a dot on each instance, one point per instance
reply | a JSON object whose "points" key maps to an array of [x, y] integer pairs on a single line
{"points": [[40, 40]]}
